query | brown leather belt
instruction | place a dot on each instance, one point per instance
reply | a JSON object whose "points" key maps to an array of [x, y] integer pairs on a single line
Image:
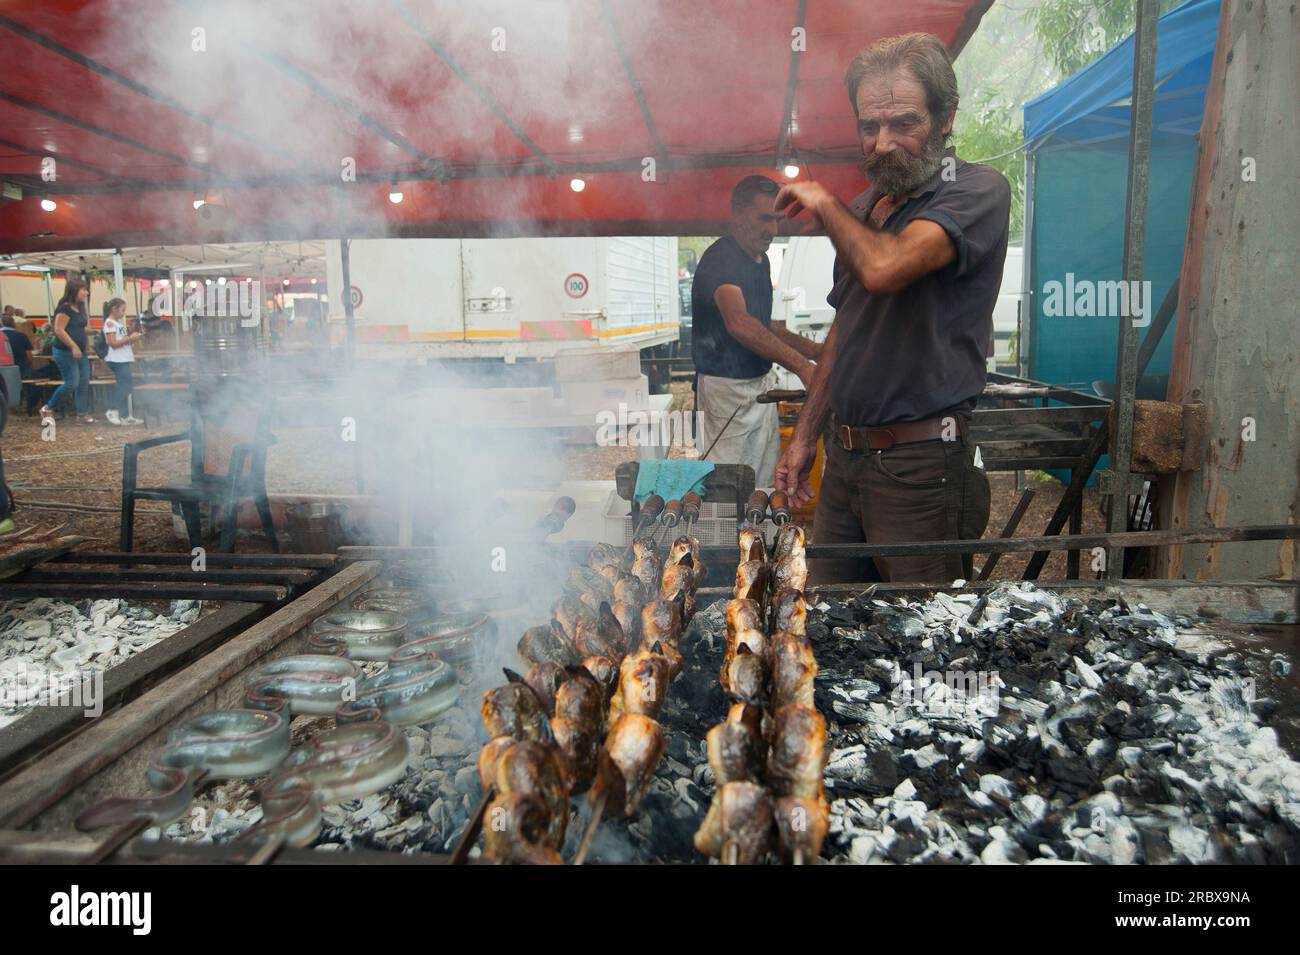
{"points": [[904, 432]]}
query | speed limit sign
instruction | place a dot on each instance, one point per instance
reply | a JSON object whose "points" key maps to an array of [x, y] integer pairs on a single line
{"points": [[356, 297], [576, 285]]}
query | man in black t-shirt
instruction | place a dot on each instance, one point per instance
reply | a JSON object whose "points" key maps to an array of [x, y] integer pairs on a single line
{"points": [[918, 264], [735, 341]]}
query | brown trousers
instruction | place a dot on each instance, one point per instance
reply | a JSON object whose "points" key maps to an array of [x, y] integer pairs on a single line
{"points": [[924, 491]]}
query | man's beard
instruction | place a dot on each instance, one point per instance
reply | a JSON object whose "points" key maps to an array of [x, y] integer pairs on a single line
{"points": [[899, 173]]}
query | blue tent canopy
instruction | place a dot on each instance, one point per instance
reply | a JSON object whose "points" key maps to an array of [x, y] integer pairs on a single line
{"points": [[1093, 105], [1076, 141]]}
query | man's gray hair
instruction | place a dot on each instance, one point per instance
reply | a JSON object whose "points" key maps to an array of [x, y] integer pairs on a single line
{"points": [[923, 55]]}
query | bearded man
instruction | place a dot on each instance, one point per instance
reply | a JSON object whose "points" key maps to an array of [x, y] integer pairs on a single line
{"points": [[918, 263]]}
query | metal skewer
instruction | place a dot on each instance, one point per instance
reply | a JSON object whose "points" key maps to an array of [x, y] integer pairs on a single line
{"points": [[467, 838], [597, 810], [650, 510], [669, 519]]}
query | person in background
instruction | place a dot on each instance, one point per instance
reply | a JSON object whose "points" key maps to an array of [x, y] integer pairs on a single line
{"points": [[19, 344], [734, 340], [69, 351], [120, 358]]}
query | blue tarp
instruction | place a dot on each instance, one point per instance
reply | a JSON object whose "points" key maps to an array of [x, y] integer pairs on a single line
{"points": [[1076, 138], [1094, 103]]}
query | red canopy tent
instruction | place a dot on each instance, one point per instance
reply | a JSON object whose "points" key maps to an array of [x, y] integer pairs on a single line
{"points": [[293, 119]]}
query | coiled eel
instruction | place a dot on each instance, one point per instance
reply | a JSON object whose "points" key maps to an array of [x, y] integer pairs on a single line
{"points": [[351, 761], [311, 684], [223, 744], [358, 634], [452, 636], [416, 691]]}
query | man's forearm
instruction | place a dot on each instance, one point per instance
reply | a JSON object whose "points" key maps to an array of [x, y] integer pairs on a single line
{"points": [[865, 252], [763, 342], [804, 346], [817, 406]]}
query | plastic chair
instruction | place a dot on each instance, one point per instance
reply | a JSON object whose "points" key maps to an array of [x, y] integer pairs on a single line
{"points": [[244, 478]]}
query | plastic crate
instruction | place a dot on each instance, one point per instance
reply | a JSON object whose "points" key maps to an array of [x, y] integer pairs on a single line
{"points": [[716, 526]]}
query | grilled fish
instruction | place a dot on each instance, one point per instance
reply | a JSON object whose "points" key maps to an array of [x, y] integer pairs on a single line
{"points": [[514, 710], [683, 547], [790, 613], [581, 699], [661, 622], [580, 749], [794, 668], [796, 758], [604, 555], [801, 826], [544, 679], [547, 644], [584, 580], [789, 540], [647, 567], [628, 590], [738, 827], [735, 750], [605, 670], [752, 546], [743, 676], [751, 580], [635, 744], [516, 830], [571, 613], [679, 581], [743, 614], [536, 770], [487, 759], [643, 683]]}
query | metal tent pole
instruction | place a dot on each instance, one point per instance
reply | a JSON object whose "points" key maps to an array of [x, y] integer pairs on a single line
{"points": [[350, 316]]}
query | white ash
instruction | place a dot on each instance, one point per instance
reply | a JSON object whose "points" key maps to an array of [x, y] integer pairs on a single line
{"points": [[45, 643], [1120, 735]]}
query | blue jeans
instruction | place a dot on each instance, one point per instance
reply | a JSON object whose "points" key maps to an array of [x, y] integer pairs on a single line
{"points": [[76, 380], [125, 380]]}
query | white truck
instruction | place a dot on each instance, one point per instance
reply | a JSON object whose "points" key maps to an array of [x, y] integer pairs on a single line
{"points": [[569, 319], [507, 298]]}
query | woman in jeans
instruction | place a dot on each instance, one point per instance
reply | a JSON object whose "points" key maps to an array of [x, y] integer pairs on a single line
{"points": [[119, 359], [69, 350]]}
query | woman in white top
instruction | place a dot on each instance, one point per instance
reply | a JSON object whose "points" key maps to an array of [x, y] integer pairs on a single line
{"points": [[119, 359]]}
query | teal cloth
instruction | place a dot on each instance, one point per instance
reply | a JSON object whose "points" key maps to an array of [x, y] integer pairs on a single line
{"points": [[671, 480]]}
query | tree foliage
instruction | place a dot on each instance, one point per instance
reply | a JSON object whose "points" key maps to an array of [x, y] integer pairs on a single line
{"points": [[1073, 33]]}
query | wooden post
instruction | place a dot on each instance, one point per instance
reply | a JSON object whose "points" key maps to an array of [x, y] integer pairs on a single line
{"points": [[1236, 347]]}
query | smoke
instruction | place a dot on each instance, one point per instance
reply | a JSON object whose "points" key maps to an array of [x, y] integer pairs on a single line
{"points": [[389, 89]]}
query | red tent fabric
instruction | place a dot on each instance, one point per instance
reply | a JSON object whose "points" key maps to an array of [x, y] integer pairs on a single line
{"points": [[294, 118]]}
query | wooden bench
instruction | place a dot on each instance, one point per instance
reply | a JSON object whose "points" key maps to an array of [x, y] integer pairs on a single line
{"points": [[49, 384]]}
